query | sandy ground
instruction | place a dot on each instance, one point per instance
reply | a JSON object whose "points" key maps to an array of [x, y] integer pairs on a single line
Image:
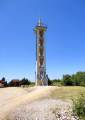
{"points": [[11, 98]]}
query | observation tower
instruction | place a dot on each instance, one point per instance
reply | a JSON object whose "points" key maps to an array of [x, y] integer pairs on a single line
{"points": [[41, 77]]}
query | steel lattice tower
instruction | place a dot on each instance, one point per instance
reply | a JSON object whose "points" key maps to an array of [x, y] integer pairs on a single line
{"points": [[41, 77]]}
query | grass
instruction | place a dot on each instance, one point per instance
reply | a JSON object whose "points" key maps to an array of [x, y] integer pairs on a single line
{"points": [[75, 94], [67, 92]]}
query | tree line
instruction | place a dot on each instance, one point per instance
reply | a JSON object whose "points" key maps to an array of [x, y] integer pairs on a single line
{"points": [[77, 79], [16, 82]]}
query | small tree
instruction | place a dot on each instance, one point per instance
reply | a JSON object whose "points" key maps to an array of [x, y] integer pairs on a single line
{"points": [[25, 81], [5, 82], [3, 79]]}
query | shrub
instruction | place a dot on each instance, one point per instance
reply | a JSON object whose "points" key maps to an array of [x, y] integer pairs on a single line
{"points": [[56, 82], [79, 106]]}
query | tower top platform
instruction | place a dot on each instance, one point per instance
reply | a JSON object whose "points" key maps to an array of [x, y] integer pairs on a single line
{"points": [[40, 25]]}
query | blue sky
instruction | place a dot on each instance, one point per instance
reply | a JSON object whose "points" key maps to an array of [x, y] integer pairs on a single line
{"points": [[65, 37]]}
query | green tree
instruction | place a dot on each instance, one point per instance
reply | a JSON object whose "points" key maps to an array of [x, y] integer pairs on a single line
{"points": [[25, 81], [67, 80], [49, 81], [79, 78]]}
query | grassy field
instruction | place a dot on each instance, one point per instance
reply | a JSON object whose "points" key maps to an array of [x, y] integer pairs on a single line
{"points": [[67, 92]]}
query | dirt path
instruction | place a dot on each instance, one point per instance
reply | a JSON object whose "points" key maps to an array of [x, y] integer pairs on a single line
{"points": [[10, 98]]}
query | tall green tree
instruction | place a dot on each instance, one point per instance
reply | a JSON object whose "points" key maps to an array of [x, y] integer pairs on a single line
{"points": [[67, 80]]}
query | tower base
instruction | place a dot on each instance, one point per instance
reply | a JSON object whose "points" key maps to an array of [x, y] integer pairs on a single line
{"points": [[42, 82]]}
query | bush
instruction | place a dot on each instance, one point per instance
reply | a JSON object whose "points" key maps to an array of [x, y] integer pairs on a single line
{"points": [[79, 106], [56, 82]]}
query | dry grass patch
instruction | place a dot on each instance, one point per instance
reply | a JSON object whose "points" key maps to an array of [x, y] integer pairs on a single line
{"points": [[67, 92]]}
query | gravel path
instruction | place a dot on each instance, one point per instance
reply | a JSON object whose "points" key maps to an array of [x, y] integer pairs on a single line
{"points": [[45, 109], [10, 98]]}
